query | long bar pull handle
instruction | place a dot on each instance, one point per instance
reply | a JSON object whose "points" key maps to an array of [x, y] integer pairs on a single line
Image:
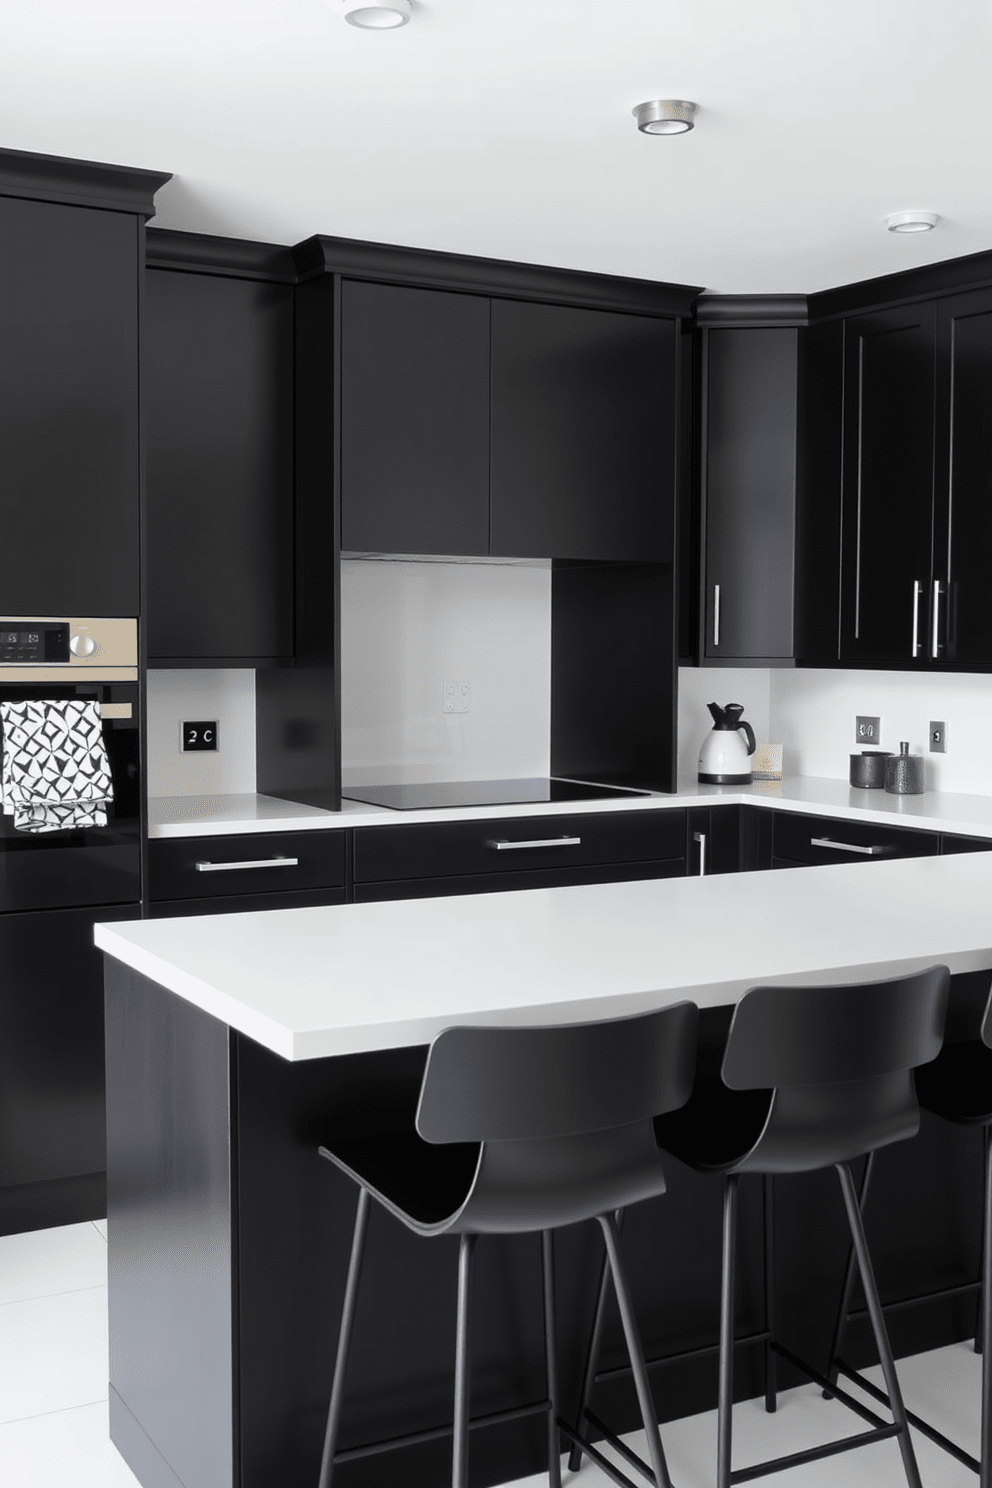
{"points": [[203, 867], [716, 614], [501, 844], [936, 617], [916, 619], [869, 852], [700, 837]]}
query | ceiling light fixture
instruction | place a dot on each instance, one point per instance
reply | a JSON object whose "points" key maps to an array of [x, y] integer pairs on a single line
{"points": [[665, 116], [377, 15], [911, 222]]}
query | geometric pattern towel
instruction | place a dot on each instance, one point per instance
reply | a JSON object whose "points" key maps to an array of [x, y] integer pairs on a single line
{"points": [[56, 774]]}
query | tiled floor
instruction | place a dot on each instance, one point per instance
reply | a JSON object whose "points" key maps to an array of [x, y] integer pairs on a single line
{"points": [[53, 1392]]}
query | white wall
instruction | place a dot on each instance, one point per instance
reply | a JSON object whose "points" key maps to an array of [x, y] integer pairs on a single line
{"points": [[813, 713], [409, 626], [228, 697], [701, 685]]}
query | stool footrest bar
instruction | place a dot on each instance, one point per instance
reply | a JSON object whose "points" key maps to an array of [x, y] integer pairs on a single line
{"points": [[619, 1445], [814, 1454], [603, 1463], [924, 1427], [436, 1433], [820, 1379]]}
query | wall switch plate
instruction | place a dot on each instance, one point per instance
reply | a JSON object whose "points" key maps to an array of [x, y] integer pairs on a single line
{"points": [[867, 730], [200, 735], [456, 697], [938, 737]]}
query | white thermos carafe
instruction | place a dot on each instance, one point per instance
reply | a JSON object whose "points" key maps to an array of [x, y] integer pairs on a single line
{"points": [[725, 759]]}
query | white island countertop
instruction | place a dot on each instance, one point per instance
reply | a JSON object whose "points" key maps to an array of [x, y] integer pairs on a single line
{"points": [[308, 983], [230, 815]]}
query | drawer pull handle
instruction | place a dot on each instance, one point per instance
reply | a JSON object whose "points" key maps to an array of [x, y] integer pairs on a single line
{"points": [[869, 852], [253, 863], [501, 845]]}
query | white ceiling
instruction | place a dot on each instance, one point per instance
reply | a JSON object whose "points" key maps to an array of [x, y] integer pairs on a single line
{"points": [[503, 127]]}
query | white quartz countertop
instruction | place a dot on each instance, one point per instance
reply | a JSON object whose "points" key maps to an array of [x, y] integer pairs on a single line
{"points": [[217, 816], [308, 983]]}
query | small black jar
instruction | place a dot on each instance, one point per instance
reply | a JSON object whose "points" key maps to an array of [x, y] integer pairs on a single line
{"points": [[868, 768]]}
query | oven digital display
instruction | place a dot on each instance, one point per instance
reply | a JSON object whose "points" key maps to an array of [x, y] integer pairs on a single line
{"points": [[33, 645]]}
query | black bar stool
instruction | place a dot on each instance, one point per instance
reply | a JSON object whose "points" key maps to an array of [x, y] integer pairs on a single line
{"points": [[519, 1131], [812, 1077], [957, 1086]]}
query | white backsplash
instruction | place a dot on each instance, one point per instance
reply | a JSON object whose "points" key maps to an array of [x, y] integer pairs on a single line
{"points": [[225, 695], [407, 627]]}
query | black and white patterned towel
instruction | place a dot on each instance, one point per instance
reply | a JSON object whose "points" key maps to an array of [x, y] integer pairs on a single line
{"points": [[56, 774]]}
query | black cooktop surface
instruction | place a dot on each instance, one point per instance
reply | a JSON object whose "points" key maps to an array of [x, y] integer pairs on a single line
{"points": [[430, 795]]}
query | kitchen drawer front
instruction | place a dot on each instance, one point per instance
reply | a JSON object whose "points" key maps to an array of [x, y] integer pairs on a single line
{"points": [[170, 909], [515, 845], [805, 839], [263, 863], [949, 844], [493, 883]]}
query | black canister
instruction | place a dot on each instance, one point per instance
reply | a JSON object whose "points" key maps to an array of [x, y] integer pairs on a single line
{"points": [[904, 772], [868, 768]]}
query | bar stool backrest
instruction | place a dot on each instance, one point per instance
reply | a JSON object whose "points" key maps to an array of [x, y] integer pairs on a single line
{"points": [[838, 1060], [512, 1084]]}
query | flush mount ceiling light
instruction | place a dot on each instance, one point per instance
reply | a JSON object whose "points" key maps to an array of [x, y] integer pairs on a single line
{"points": [[665, 116], [377, 15], [911, 222]]}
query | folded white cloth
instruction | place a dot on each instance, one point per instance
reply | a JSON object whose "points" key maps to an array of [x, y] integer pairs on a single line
{"points": [[56, 774]]}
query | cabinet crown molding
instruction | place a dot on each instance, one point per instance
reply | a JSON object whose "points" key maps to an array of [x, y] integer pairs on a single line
{"points": [[751, 310], [203, 253], [949, 276], [83, 183], [431, 269]]}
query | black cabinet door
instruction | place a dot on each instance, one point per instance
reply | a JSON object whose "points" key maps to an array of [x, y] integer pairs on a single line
{"points": [[69, 471], [750, 490], [218, 385], [963, 535], [583, 433], [888, 487], [414, 420], [52, 1118]]}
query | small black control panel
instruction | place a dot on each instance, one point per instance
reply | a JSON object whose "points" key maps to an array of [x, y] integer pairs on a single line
{"points": [[44, 644]]}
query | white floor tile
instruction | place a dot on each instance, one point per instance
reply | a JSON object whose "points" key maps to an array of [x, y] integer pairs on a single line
{"points": [[53, 1353], [69, 1447], [44, 1262]]}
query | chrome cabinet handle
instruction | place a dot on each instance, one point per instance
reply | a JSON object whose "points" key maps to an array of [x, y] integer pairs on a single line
{"points": [[936, 616], [700, 837], [869, 852], [501, 845], [253, 863], [716, 614], [916, 620]]}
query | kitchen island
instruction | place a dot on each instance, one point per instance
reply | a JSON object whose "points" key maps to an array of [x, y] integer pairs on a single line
{"points": [[236, 1044]]}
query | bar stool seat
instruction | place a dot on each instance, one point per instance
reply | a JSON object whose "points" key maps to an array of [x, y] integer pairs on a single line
{"points": [[812, 1077], [520, 1131]]}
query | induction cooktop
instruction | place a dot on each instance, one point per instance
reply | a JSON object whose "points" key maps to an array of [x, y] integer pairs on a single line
{"points": [[432, 794]]}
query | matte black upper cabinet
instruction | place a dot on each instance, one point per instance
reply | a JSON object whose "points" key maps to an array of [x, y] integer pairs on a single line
{"points": [[962, 572], [583, 433], [887, 614], [414, 420]]}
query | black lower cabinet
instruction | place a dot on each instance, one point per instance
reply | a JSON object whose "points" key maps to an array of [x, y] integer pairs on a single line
{"points": [[227, 875], [713, 840], [951, 844], [52, 1124], [816, 840]]}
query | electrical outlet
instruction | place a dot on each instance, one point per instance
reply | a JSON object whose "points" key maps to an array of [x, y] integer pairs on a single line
{"points": [[938, 737], [456, 697], [200, 735], [867, 730]]}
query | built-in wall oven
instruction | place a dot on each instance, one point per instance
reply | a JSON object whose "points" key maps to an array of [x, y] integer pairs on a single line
{"points": [[70, 854]]}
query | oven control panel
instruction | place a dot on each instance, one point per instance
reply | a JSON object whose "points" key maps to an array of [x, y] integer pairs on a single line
{"points": [[34, 645], [47, 644]]}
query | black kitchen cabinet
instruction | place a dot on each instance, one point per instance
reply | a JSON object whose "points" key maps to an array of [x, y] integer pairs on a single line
{"points": [[52, 1122], [414, 420], [212, 875], [584, 409], [749, 491], [713, 840], [951, 844], [800, 840], [889, 381], [218, 399]]}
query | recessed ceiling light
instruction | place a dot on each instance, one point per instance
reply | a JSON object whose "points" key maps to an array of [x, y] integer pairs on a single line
{"points": [[377, 15], [665, 116], [911, 222]]}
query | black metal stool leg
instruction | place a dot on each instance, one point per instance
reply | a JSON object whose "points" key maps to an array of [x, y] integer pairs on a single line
{"points": [[592, 1355], [551, 1357], [644, 1397], [771, 1359], [844, 1308], [878, 1325], [463, 1350], [979, 1304], [725, 1406], [344, 1336], [985, 1471]]}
